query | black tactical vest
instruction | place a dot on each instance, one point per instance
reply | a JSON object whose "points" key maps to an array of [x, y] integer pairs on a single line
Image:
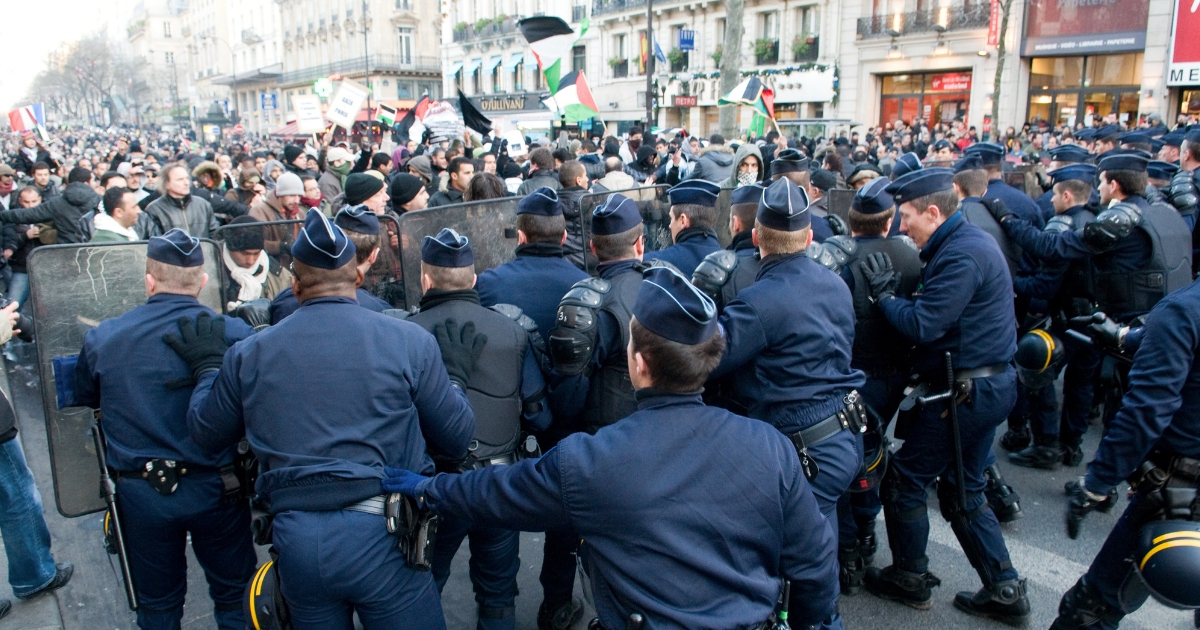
{"points": [[1077, 291], [742, 276], [610, 392], [878, 347], [1169, 268], [976, 214], [495, 388]]}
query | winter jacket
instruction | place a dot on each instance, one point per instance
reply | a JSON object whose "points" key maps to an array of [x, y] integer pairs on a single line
{"points": [[64, 211], [714, 164], [330, 184], [593, 164], [539, 179], [277, 239], [568, 199], [445, 198], [221, 206], [22, 164], [192, 214], [619, 180]]}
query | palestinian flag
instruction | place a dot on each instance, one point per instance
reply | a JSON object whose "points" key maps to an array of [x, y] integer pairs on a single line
{"points": [[551, 40], [753, 93], [573, 99], [414, 115], [386, 115]]}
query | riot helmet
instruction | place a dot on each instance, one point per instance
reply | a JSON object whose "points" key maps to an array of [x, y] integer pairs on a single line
{"points": [[1038, 357]]}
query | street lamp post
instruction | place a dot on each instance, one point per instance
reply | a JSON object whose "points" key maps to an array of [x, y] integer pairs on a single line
{"points": [[232, 71]]}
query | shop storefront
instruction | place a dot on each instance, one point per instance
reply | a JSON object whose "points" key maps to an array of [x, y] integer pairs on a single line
{"points": [[933, 97], [1085, 60], [522, 111], [1183, 62]]}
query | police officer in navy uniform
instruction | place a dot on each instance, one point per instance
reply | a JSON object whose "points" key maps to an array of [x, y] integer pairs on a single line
{"points": [[794, 328], [361, 226], [695, 548], [693, 216], [1061, 156], [880, 352], [992, 156], [170, 486], [363, 391], [964, 308], [536, 281], [1154, 440], [790, 164], [905, 164], [506, 393]]}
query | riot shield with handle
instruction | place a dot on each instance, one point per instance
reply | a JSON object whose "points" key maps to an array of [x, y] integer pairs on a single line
{"points": [[237, 237], [73, 288], [652, 202], [491, 226]]}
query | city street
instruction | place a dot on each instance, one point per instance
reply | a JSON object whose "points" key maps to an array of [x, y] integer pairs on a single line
{"points": [[1040, 550]]}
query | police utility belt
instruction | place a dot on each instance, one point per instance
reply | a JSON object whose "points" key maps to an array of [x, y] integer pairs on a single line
{"points": [[164, 474], [852, 417], [1166, 469], [415, 527], [963, 379]]}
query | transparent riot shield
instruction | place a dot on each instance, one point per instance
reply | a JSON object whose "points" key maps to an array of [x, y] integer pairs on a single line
{"points": [[490, 225], [246, 237], [73, 288], [385, 278], [654, 206], [839, 203], [724, 201]]}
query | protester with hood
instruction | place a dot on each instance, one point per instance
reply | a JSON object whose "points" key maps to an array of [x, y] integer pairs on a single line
{"points": [[64, 211], [748, 169], [715, 163], [249, 186], [271, 172], [643, 166], [339, 162], [422, 167], [207, 180]]}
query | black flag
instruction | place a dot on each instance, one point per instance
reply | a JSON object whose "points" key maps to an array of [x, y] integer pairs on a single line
{"points": [[472, 117], [404, 124]]}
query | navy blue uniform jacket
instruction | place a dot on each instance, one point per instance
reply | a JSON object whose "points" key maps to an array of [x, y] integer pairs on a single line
{"points": [[689, 515], [535, 281], [795, 327], [964, 303], [1161, 408], [123, 370], [691, 246], [327, 398], [285, 304], [1015, 200]]}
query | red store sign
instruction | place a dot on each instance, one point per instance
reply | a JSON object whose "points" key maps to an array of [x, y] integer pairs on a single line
{"points": [[684, 101], [951, 82]]}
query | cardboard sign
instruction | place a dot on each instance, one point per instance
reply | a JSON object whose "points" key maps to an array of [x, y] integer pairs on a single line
{"points": [[516, 144], [346, 103], [308, 114]]}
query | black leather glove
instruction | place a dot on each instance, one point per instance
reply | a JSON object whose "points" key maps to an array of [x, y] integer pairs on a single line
{"points": [[997, 209], [837, 225], [461, 348], [1103, 330], [1082, 502], [257, 313], [202, 345], [880, 275]]}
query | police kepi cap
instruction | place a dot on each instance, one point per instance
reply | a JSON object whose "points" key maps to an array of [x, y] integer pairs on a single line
{"points": [[1085, 173], [905, 164], [697, 192], [618, 214], [358, 219], [1139, 137], [447, 249], [1173, 139], [970, 162], [1157, 169], [747, 194], [673, 308], [989, 152], [788, 161], [784, 207], [1086, 135], [920, 183], [542, 202], [1108, 132], [1069, 153], [176, 248], [1123, 161], [873, 198], [322, 244]]}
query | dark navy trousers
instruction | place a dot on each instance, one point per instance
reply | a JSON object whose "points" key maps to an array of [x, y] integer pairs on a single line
{"points": [[494, 564], [858, 510]]}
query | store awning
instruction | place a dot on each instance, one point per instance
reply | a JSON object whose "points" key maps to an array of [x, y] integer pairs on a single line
{"points": [[492, 63], [472, 66], [455, 68], [514, 61], [287, 131]]}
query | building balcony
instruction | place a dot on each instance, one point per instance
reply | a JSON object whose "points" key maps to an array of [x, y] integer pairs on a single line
{"points": [[478, 32], [932, 21], [766, 51], [806, 48], [379, 63]]}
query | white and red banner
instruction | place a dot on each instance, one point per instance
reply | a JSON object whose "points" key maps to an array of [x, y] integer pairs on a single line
{"points": [[1183, 64]]}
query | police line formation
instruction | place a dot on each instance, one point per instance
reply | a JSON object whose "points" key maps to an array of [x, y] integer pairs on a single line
{"points": [[701, 431]]}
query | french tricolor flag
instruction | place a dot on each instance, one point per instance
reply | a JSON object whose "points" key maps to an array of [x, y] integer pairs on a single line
{"points": [[27, 118]]}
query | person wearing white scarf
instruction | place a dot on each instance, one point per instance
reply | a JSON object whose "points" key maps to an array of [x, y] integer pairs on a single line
{"points": [[249, 280]]}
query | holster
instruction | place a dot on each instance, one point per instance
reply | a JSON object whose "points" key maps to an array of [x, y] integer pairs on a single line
{"points": [[415, 528], [1170, 482]]}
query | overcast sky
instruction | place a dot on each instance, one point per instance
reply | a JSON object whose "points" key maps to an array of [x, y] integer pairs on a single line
{"points": [[33, 28]]}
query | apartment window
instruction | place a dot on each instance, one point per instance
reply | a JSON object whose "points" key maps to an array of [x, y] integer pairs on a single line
{"points": [[578, 57], [769, 25], [404, 5], [620, 44], [404, 90], [167, 29], [477, 77], [406, 34], [720, 31], [169, 57], [809, 21], [496, 87]]}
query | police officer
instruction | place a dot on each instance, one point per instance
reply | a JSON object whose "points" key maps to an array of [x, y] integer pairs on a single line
{"points": [[794, 328], [505, 393], [992, 156], [693, 215], [363, 391], [881, 353], [536, 281], [361, 226], [1060, 156], [965, 308], [1154, 439], [904, 164], [169, 486], [789, 164], [695, 548]]}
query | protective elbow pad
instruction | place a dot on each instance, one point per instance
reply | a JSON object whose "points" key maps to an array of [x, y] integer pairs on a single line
{"points": [[1183, 193], [833, 253], [1111, 226], [713, 272], [573, 340]]}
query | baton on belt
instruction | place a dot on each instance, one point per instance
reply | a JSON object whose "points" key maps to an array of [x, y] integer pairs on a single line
{"points": [[108, 488], [951, 395]]}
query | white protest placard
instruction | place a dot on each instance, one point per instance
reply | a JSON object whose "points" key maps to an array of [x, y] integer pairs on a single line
{"points": [[516, 143], [308, 114], [346, 103]]}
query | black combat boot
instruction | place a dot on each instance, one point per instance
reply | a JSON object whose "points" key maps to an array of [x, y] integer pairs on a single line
{"points": [[1082, 607], [1105, 506], [1004, 501], [1015, 439], [908, 588], [1004, 601], [1072, 455], [851, 570], [1045, 453], [560, 615], [866, 541]]}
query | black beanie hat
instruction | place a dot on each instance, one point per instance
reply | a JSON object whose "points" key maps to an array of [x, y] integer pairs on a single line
{"points": [[404, 187], [361, 187], [291, 152], [240, 239]]}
